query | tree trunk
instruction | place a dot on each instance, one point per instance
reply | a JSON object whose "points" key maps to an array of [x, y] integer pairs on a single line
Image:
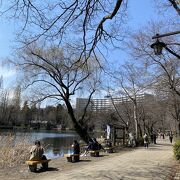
{"points": [[178, 128], [81, 131], [144, 125], [135, 121], [140, 130]]}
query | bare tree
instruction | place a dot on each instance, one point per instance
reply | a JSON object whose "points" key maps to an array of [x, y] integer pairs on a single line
{"points": [[81, 24], [164, 69], [169, 4], [5, 111], [119, 110], [153, 114], [54, 73], [131, 82], [175, 4], [174, 109]]}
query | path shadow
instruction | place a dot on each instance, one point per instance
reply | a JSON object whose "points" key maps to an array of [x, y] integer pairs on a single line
{"points": [[149, 172], [102, 155], [160, 144], [40, 170], [156, 149], [111, 152], [52, 169], [84, 160]]}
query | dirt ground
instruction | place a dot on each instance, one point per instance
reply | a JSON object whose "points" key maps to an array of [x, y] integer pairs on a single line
{"points": [[154, 163], [55, 165]]}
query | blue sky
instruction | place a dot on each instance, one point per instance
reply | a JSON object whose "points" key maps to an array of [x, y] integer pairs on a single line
{"points": [[141, 11], [7, 31]]}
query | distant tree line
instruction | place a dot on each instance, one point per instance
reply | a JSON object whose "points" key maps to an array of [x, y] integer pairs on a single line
{"points": [[27, 115]]}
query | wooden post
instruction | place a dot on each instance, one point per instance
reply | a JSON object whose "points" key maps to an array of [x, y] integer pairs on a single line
{"points": [[124, 134], [114, 136]]}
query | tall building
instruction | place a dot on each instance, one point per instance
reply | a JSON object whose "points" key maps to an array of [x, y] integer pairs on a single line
{"points": [[106, 104]]}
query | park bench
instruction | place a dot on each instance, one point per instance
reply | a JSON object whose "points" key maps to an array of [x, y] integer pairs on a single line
{"points": [[33, 164], [94, 153], [109, 149], [72, 157]]}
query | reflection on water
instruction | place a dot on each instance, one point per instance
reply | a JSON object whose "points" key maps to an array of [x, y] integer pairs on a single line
{"points": [[56, 143], [58, 146]]}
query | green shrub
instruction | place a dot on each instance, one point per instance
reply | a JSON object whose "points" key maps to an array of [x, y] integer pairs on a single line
{"points": [[176, 149]]}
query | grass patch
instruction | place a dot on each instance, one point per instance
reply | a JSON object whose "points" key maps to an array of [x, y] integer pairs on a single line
{"points": [[176, 149]]}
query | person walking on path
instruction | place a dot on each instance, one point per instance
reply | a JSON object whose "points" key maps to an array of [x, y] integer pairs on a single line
{"points": [[170, 137], [154, 138], [131, 142], [145, 137]]}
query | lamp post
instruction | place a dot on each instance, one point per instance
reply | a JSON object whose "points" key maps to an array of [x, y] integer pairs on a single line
{"points": [[159, 45]]}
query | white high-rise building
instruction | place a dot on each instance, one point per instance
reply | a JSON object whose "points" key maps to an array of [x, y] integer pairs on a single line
{"points": [[106, 104]]}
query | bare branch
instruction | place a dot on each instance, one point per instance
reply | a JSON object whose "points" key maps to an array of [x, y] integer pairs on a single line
{"points": [[175, 6]]}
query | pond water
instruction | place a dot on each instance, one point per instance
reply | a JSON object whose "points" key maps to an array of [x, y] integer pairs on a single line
{"points": [[56, 143]]}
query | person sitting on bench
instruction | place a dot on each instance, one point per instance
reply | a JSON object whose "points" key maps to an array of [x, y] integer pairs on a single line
{"points": [[108, 143], [76, 150], [37, 153], [93, 145], [96, 145], [76, 147], [89, 147]]}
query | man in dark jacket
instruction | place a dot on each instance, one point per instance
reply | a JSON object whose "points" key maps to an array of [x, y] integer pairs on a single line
{"points": [[96, 145], [76, 147]]}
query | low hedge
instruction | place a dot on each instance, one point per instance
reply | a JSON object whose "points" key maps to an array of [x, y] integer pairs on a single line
{"points": [[176, 149]]}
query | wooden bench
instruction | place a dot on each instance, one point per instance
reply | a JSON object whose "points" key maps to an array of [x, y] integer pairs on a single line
{"points": [[33, 164], [109, 149], [72, 157], [94, 153]]}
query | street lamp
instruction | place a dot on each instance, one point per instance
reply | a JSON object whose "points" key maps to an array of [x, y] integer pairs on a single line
{"points": [[158, 45]]}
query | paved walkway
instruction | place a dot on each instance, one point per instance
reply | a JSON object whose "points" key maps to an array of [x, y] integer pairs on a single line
{"points": [[153, 163]]}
